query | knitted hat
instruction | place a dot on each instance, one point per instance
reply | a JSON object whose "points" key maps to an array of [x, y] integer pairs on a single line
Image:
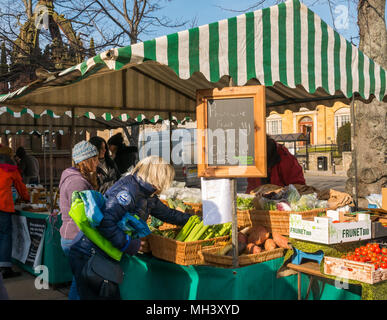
{"points": [[84, 150]]}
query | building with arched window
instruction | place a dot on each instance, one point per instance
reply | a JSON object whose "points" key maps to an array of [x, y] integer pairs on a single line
{"points": [[322, 123]]}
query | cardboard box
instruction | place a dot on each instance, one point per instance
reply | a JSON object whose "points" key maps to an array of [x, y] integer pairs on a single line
{"points": [[384, 198], [323, 230], [354, 270]]}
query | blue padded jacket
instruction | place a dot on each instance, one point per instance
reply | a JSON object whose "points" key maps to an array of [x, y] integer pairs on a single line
{"points": [[133, 195]]}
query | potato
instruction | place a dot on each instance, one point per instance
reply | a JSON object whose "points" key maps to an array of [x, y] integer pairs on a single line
{"points": [[280, 240], [249, 247], [270, 245], [257, 249], [258, 235]]}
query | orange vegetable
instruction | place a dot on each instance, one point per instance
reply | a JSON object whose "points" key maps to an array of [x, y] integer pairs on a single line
{"points": [[280, 240], [249, 247], [258, 235], [270, 245], [256, 249]]}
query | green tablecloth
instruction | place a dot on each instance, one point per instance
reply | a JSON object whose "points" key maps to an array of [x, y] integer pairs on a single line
{"points": [[53, 256], [148, 278]]}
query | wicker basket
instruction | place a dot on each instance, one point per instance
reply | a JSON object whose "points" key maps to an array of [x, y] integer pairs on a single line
{"points": [[274, 221], [211, 257], [183, 253]]}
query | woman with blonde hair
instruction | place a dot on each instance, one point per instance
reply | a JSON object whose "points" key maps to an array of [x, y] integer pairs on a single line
{"points": [[77, 178], [136, 193]]}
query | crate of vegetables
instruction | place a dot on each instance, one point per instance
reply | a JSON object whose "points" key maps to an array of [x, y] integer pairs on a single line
{"points": [[273, 210], [273, 220], [255, 245], [366, 264], [182, 246]]}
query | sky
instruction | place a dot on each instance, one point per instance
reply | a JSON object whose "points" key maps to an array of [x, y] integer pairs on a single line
{"points": [[208, 11]]}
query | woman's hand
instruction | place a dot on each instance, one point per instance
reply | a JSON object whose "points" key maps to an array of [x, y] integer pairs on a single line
{"points": [[143, 245]]}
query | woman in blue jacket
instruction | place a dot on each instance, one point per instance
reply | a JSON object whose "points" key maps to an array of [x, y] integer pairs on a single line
{"points": [[135, 193]]}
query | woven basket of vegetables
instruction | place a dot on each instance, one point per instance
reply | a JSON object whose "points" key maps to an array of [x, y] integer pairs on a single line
{"points": [[274, 221], [182, 246], [212, 256], [255, 245]]}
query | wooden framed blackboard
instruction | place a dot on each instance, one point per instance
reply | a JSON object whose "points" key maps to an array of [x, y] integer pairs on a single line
{"points": [[231, 132]]}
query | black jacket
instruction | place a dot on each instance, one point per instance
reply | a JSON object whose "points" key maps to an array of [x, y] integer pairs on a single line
{"points": [[125, 158]]}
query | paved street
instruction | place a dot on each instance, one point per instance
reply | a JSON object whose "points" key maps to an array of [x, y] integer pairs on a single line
{"points": [[326, 182], [23, 288]]}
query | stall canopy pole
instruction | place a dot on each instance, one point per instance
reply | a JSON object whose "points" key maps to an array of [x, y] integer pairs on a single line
{"points": [[44, 160], [234, 221], [170, 137], [72, 130], [51, 171], [354, 156]]}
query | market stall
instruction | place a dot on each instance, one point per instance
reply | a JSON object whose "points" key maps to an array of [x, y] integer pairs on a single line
{"points": [[301, 61], [36, 242]]}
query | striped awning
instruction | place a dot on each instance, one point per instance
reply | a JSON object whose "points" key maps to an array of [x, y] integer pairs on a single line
{"points": [[301, 60], [28, 122]]}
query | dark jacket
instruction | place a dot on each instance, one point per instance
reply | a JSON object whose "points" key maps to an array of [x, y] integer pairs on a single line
{"points": [[107, 176], [125, 158], [29, 167], [131, 194]]}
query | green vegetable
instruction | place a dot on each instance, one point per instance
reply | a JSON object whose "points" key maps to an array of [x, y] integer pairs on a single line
{"points": [[201, 231], [155, 222], [186, 230], [194, 231], [244, 203]]}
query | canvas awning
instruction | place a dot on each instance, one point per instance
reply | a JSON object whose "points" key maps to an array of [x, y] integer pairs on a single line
{"points": [[28, 122], [301, 60]]}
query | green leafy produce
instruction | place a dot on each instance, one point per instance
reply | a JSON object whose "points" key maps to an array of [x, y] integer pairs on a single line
{"points": [[244, 203], [185, 231], [176, 203], [195, 230], [155, 223]]}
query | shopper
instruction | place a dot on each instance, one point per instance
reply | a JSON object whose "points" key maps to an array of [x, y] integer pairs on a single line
{"points": [[282, 168], [124, 156], [136, 193], [28, 165], [107, 170], [78, 178], [9, 176]]}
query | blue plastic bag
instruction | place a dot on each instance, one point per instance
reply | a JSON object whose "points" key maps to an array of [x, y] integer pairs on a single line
{"points": [[134, 226], [94, 205]]}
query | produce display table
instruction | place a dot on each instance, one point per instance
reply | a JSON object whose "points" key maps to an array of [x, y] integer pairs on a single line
{"points": [[148, 278], [52, 254], [365, 291], [312, 270]]}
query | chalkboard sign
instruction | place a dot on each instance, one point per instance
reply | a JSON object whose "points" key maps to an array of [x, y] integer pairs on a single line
{"points": [[230, 124], [231, 132]]}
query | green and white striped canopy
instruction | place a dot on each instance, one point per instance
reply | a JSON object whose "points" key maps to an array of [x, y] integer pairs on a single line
{"points": [[301, 60], [27, 122]]}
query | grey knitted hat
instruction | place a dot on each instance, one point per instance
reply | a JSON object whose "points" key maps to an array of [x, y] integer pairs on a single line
{"points": [[84, 150]]}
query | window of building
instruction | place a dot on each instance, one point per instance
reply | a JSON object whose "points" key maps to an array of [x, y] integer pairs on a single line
{"points": [[274, 124], [342, 116]]}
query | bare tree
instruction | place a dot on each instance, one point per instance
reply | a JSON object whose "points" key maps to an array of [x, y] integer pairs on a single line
{"points": [[121, 22]]}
